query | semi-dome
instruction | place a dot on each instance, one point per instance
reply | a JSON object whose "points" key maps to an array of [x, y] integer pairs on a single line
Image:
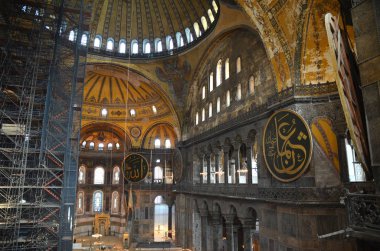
{"points": [[145, 29]]}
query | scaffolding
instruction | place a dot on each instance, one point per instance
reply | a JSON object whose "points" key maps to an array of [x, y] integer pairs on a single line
{"points": [[41, 87]]}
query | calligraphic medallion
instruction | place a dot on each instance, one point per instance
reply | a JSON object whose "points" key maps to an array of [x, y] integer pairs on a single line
{"points": [[287, 145], [136, 167]]}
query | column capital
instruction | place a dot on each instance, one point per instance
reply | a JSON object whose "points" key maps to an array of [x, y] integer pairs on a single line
{"points": [[203, 212], [229, 218], [216, 218]]}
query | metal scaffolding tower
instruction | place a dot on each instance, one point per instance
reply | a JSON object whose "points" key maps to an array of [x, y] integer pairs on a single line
{"points": [[41, 87]]}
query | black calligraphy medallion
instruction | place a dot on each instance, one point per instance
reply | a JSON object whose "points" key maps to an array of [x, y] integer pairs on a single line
{"points": [[136, 167], [287, 145]]}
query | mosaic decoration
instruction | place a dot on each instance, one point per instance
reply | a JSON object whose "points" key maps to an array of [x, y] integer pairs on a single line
{"points": [[287, 145], [136, 167]]}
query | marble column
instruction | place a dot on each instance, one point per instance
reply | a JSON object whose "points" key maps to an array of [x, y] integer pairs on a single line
{"points": [[217, 231], [248, 226], [230, 240], [225, 164], [204, 225], [249, 164]]}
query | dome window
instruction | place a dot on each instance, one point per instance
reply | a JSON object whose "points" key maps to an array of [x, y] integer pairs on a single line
{"points": [[157, 143], [146, 46], [132, 112], [238, 65], [134, 47], [97, 42], [122, 46], [109, 146], [158, 45], [104, 112], [210, 110], [84, 144], [92, 145], [210, 15], [238, 92], [154, 109], [228, 99], [251, 85], [218, 105], [117, 146], [219, 73], [204, 23], [211, 82], [203, 114], [198, 32], [167, 143], [110, 44], [189, 36], [179, 39], [215, 6], [84, 39], [72, 35], [203, 92], [196, 119], [101, 147], [169, 43]]}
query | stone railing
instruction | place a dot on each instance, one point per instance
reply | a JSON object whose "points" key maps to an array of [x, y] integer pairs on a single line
{"points": [[363, 212], [253, 192]]}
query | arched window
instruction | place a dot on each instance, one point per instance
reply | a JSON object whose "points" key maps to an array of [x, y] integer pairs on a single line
{"points": [[82, 175], [72, 35], [212, 168], [238, 92], [115, 202], [101, 146], [92, 145], [157, 143], [251, 85], [97, 42], [204, 23], [158, 45], [254, 162], [219, 73], [218, 105], [179, 39], [99, 175], [169, 43], [203, 114], [211, 82], [84, 39], [154, 109], [80, 208], [220, 171], [210, 15], [167, 143], [116, 175], [146, 46], [228, 99], [215, 6], [203, 92], [355, 170], [117, 146], [132, 112], [122, 46], [204, 170], [109, 146], [189, 36], [238, 65], [227, 69], [161, 219], [197, 30], [84, 144], [196, 118], [104, 112], [210, 110], [243, 165], [158, 174], [110, 44], [97, 201], [134, 47]]}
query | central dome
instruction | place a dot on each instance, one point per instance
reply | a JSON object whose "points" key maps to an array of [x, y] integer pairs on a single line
{"points": [[145, 28]]}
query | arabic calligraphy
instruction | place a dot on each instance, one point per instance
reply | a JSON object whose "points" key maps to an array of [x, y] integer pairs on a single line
{"points": [[287, 145], [136, 167]]}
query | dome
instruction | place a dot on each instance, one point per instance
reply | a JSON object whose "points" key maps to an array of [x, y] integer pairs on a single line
{"points": [[113, 92], [144, 29]]}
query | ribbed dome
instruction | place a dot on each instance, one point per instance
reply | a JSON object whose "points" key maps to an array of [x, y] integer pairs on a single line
{"points": [[116, 89], [136, 27]]}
